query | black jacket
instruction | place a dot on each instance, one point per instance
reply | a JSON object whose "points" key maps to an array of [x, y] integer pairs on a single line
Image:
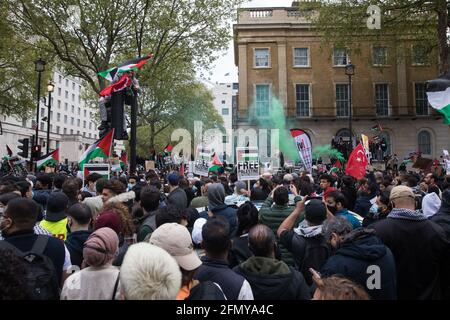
{"points": [[442, 218], [271, 279], [239, 251], [350, 194], [354, 259], [74, 243], [421, 253], [219, 272]]}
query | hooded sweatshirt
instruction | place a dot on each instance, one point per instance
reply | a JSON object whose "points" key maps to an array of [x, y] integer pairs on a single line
{"points": [[442, 217], [74, 243], [273, 279], [216, 204], [430, 204], [364, 259]]}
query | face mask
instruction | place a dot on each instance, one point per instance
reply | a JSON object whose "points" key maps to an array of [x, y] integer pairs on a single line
{"points": [[194, 189], [333, 210], [130, 186], [374, 209]]}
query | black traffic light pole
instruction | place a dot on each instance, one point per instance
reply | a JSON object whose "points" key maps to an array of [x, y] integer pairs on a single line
{"points": [[133, 107]]}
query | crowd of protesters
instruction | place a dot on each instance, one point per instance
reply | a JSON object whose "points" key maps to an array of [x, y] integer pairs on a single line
{"points": [[165, 236]]}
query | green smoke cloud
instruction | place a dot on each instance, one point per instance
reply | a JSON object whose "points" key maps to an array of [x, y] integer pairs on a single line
{"points": [[277, 120]]}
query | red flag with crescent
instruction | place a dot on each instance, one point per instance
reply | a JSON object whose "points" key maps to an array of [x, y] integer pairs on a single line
{"points": [[357, 163]]}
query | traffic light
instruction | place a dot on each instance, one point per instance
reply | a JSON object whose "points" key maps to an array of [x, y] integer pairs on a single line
{"points": [[35, 152], [24, 146]]}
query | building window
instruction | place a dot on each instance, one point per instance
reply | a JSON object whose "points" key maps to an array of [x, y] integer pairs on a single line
{"points": [[421, 99], [65, 119], [67, 83], [73, 97], [59, 91], [72, 109], [379, 56], [340, 57], [424, 138], [59, 78], [342, 104], [262, 100], [301, 57], [65, 106], [382, 99], [65, 130], [302, 100], [79, 88], [51, 128], [78, 122], [72, 121], [42, 126], [78, 132], [225, 139], [89, 135], [235, 86], [262, 57], [73, 86], [59, 104], [228, 85], [24, 122], [71, 131], [223, 101], [58, 116], [90, 125], [51, 115], [79, 111], [225, 111], [84, 113], [67, 94], [419, 55], [57, 129]]}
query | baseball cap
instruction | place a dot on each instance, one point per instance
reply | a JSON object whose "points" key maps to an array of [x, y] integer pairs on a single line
{"points": [[401, 192], [173, 178], [56, 206], [176, 240], [315, 211]]}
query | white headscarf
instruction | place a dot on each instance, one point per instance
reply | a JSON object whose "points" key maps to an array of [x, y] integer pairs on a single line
{"points": [[430, 204]]}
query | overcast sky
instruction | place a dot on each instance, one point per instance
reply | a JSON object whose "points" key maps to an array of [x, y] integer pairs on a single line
{"points": [[225, 63]]}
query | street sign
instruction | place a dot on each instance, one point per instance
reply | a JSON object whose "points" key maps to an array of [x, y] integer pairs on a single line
{"points": [[202, 161], [247, 162]]}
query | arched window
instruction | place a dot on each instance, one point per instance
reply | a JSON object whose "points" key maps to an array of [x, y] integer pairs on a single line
{"points": [[424, 139]]}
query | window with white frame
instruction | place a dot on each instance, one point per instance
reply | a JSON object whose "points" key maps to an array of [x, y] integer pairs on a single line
{"points": [[72, 120], [302, 100], [379, 56], [65, 106], [225, 111], [262, 57], [382, 99], [424, 142], [59, 91], [262, 100], [65, 130], [421, 99], [301, 57], [340, 57], [342, 101], [78, 122], [65, 119]]}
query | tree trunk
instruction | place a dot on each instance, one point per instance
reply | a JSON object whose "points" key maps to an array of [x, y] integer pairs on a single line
{"points": [[152, 135], [442, 36]]}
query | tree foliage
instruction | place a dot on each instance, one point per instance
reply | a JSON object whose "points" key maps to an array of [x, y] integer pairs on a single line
{"points": [[344, 23]]}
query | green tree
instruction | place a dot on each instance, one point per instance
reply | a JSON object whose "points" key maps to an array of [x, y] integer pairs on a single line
{"points": [[343, 22]]}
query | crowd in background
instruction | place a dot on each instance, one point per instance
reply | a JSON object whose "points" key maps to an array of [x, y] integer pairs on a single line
{"points": [[165, 236]]}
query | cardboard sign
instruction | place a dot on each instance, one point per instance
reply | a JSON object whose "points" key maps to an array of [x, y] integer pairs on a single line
{"points": [[149, 165], [247, 163], [202, 161]]}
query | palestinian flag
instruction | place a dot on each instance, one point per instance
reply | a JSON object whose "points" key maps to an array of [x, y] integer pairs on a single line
{"points": [[129, 65], [438, 93], [50, 158], [102, 170], [338, 164], [168, 148], [123, 159], [101, 148], [124, 82], [215, 163]]}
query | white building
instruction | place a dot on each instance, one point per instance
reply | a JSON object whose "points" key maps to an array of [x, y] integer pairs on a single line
{"points": [[225, 99], [73, 124]]}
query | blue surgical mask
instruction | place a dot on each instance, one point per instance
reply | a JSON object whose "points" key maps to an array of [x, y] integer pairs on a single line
{"points": [[374, 209], [130, 186], [194, 188]]}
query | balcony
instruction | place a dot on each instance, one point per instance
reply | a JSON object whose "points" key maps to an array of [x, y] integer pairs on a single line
{"points": [[271, 15]]}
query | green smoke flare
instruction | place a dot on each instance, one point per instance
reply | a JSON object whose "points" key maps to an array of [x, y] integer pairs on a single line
{"points": [[327, 150]]}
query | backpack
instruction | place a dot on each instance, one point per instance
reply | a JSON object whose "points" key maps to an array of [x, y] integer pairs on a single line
{"points": [[41, 279], [206, 290], [309, 246]]}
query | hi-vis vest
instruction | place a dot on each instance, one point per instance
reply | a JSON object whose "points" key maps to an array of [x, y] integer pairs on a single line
{"points": [[57, 229]]}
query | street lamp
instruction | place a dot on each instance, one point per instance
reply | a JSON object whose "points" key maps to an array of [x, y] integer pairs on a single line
{"points": [[39, 67], [350, 71], [50, 88]]}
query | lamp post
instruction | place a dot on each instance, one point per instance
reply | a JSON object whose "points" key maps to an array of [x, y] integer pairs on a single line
{"points": [[350, 71], [50, 88], [39, 67]]}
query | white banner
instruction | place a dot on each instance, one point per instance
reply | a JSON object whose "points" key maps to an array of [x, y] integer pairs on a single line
{"points": [[304, 147], [247, 162], [202, 161]]}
